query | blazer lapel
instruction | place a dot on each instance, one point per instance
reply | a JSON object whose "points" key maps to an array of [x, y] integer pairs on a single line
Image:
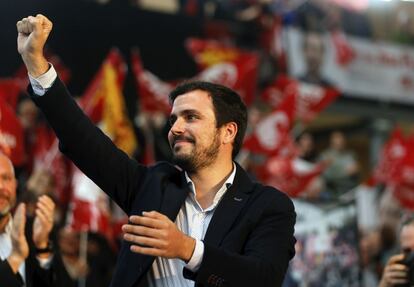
{"points": [[174, 197], [229, 207]]}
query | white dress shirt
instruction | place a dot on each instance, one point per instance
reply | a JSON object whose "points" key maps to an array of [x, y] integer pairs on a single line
{"points": [[192, 220], [6, 248]]}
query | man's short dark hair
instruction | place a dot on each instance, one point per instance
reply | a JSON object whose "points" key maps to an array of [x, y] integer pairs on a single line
{"points": [[228, 106]]}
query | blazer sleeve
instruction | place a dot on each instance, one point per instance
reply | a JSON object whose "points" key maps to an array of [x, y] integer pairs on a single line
{"points": [[8, 277], [265, 255], [88, 147]]}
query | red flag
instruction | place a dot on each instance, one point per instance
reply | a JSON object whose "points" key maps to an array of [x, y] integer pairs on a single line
{"points": [[10, 89], [11, 134], [276, 92], [287, 177], [310, 99], [391, 159], [153, 92], [271, 133], [92, 101], [226, 65], [89, 206], [48, 157], [272, 41], [404, 193]]}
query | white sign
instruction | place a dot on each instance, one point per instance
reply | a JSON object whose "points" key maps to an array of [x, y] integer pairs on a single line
{"points": [[378, 71]]}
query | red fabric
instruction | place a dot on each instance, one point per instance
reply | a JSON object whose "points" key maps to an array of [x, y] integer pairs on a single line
{"points": [[9, 91], [226, 65], [344, 52], [310, 99], [404, 193], [283, 176], [191, 7], [153, 92], [47, 156], [86, 216], [91, 103], [11, 134], [88, 208], [392, 157], [271, 133]]}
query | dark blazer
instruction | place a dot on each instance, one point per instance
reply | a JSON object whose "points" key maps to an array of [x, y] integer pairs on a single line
{"points": [[249, 241], [36, 276]]}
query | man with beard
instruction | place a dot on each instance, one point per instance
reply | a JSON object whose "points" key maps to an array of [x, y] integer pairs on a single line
{"points": [[18, 265], [200, 222]]}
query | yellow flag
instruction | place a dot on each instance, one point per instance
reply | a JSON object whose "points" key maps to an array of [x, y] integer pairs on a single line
{"points": [[115, 121]]}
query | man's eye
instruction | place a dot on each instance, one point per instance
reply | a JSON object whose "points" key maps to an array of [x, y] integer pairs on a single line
{"points": [[6, 178], [191, 117]]}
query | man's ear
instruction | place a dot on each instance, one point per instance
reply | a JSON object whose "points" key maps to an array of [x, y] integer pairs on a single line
{"points": [[229, 132]]}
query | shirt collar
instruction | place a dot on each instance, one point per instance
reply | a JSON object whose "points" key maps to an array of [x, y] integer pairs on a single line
{"points": [[9, 226], [226, 185]]}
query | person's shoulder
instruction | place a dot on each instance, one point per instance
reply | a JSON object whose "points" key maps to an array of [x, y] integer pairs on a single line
{"points": [[274, 197], [165, 169]]}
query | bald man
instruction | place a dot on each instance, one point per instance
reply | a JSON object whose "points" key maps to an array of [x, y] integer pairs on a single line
{"points": [[20, 266]]}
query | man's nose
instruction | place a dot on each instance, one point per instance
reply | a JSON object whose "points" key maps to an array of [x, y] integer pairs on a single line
{"points": [[177, 127]]}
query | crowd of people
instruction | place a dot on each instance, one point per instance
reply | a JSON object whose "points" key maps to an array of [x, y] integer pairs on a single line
{"points": [[89, 257]]}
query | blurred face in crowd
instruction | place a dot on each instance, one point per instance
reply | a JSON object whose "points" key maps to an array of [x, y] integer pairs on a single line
{"points": [[305, 144], [41, 182], [8, 185], [27, 113], [338, 141], [313, 52], [194, 137], [68, 242], [407, 237]]}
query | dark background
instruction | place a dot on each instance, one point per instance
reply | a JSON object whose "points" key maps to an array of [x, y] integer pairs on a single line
{"points": [[84, 32]]}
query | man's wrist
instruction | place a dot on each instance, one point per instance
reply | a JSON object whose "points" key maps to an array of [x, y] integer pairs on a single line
{"points": [[43, 246], [188, 250], [36, 65]]}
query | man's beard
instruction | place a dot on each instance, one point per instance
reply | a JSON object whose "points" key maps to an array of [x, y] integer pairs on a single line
{"points": [[198, 158]]}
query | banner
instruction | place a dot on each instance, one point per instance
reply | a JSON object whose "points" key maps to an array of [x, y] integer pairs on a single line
{"points": [[326, 247], [375, 70]]}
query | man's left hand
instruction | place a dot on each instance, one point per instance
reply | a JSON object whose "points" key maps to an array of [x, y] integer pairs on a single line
{"points": [[155, 234]]}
